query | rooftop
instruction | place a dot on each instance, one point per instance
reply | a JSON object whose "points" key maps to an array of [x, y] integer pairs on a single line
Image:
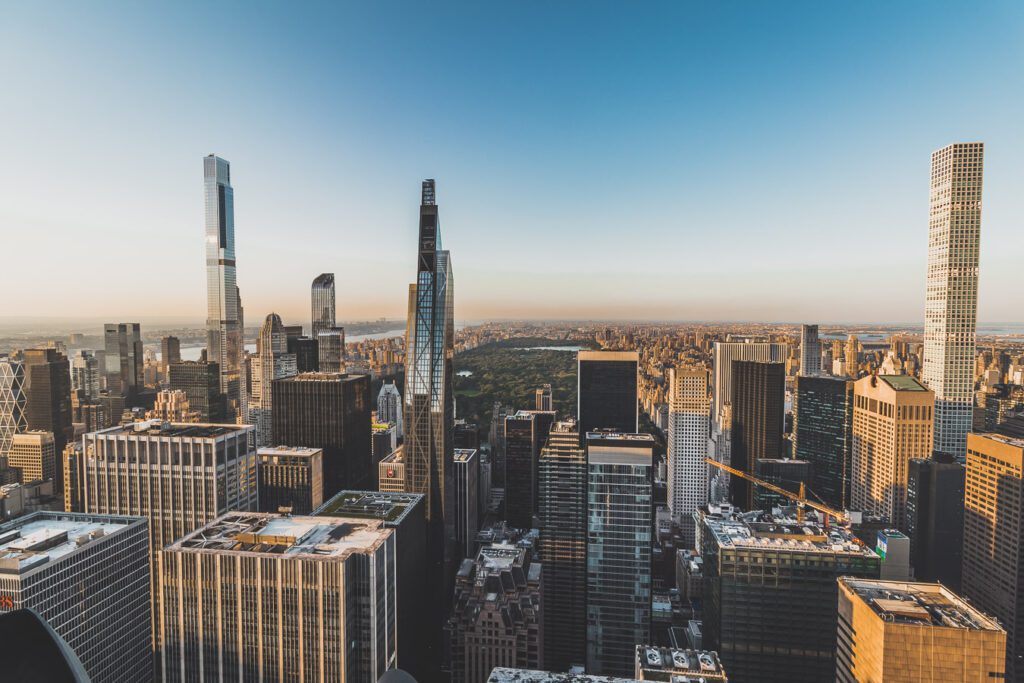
{"points": [[1014, 441], [274, 534], [903, 382], [175, 429], [320, 377], [504, 675], [922, 604], [671, 662], [389, 507], [289, 450], [464, 454], [735, 529], [35, 540]]}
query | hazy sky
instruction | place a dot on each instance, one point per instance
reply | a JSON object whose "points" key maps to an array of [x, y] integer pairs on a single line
{"points": [[686, 160]]}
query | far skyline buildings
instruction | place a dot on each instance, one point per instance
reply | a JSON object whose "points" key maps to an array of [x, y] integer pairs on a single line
{"points": [[336, 171]]}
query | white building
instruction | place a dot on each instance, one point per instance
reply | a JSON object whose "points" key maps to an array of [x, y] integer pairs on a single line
{"points": [[272, 361], [951, 301], [389, 406], [688, 432], [282, 598], [810, 351]]}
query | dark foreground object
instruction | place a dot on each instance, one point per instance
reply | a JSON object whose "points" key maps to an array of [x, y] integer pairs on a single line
{"points": [[32, 651]]}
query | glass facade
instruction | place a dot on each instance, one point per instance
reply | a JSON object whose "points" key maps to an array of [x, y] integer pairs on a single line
{"points": [[822, 435]]}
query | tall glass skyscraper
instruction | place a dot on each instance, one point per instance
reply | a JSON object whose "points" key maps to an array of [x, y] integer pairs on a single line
{"points": [[430, 345], [322, 294], [223, 317], [951, 301]]}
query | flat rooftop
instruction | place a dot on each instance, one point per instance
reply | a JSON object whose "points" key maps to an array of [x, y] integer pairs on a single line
{"points": [[674, 661], [923, 604], [503, 675], [763, 531], [500, 556], [320, 377], [300, 451], [392, 508], [274, 534], [175, 429], [1014, 441], [35, 540], [464, 454], [902, 382]]}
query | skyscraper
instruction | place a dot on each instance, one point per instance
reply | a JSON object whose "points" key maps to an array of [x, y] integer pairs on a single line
{"points": [[85, 375], [823, 434], [33, 457], [951, 302], [12, 403], [993, 568], [329, 411], [200, 380], [272, 361], [281, 598], [497, 613], [223, 317], [526, 433], [892, 424], [48, 400], [562, 514], [543, 398], [607, 396], [901, 632], [122, 344], [322, 293], [291, 477], [810, 351], [389, 406], [170, 352], [689, 420], [619, 533], [429, 402], [466, 482], [725, 353], [87, 576], [935, 518], [758, 414]]}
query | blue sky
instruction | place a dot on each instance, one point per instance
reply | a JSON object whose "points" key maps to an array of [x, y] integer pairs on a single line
{"points": [[725, 160]]}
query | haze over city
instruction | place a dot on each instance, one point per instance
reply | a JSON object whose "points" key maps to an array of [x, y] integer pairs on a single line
{"points": [[681, 162]]}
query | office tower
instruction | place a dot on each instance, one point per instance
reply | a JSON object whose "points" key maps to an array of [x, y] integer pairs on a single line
{"points": [[403, 513], [466, 435], [33, 456], [391, 472], [677, 665], [307, 353], [332, 412], [224, 308], [127, 471], [389, 406], [48, 399], [607, 391], [331, 347], [526, 433], [892, 424], [200, 380], [429, 410], [993, 566], [87, 576], [122, 344], [383, 441], [951, 304], [935, 518], [725, 353], [496, 613], [810, 351], [544, 399], [786, 474], [901, 632], [562, 517], [619, 532], [770, 593], [758, 414], [170, 352], [271, 362], [466, 482], [324, 587], [323, 308], [823, 435], [852, 356], [74, 494], [12, 403], [85, 375], [290, 477], [170, 406], [689, 421]]}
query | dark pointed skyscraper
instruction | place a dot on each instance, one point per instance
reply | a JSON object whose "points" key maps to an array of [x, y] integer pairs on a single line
{"points": [[429, 414], [223, 318]]}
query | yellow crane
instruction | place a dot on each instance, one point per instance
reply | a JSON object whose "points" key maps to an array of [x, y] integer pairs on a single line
{"points": [[800, 498]]}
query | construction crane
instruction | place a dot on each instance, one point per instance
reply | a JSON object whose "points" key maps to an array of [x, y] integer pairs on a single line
{"points": [[800, 498]]}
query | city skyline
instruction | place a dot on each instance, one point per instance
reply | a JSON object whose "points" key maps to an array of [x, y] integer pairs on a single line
{"points": [[708, 122]]}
